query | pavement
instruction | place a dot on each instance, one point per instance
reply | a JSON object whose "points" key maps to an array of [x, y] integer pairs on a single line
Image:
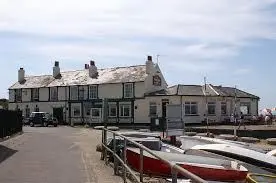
{"points": [[54, 155]]}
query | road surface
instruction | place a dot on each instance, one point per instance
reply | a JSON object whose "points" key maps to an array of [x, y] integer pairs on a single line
{"points": [[54, 155]]}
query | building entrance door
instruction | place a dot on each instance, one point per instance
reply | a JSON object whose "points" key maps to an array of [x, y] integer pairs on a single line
{"points": [[58, 113], [164, 107]]}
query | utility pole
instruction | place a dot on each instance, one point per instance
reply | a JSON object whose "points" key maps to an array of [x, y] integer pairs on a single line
{"points": [[206, 106], [235, 111], [157, 58]]}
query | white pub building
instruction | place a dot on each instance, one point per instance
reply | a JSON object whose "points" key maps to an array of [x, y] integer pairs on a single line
{"points": [[135, 95]]}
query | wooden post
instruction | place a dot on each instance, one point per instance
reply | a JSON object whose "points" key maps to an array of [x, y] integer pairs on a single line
{"points": [[173, 140], [105, 111]]}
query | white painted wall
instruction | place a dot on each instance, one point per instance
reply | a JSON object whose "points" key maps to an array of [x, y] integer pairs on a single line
{"points": [[140, 89], [149, 87], [110, 91], [141, 114], [43, 94]]}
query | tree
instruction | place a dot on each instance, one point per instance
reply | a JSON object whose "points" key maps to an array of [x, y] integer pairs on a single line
{"points": [[4, 103]]}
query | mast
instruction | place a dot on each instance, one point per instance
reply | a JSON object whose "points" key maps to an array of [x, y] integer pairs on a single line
{"points": [[235, 111], [206, 105]]}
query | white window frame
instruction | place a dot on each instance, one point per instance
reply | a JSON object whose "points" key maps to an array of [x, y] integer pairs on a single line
{"points": [[73, 111], [53, 98], [11, 95], [35, 96], [125, 106], [18, 95], [110, 106], [74, 92], [247, 105], [213, 104], [128, 94], [96, 117], [221, 105], [81, 93], [93, 91], [151, 106], [190, 104]]}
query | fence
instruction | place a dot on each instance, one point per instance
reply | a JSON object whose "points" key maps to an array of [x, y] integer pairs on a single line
{"points": [[10, 122], [175, 169]]}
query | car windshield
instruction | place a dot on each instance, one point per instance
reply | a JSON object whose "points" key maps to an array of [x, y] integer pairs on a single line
{"points": [[39, 115]]}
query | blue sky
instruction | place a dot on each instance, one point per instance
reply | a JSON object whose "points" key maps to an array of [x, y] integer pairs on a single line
{"points": [[231, 42]]}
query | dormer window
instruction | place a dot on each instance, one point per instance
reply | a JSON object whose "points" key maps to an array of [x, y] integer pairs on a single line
{"points": [[156, 80], [128, 90]]}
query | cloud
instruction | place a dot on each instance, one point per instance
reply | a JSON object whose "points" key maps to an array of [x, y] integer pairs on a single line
{"points": [[204, 32], [242, 71]]}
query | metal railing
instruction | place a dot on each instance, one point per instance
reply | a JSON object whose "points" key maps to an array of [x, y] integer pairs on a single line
{"points": [[175, 169]]}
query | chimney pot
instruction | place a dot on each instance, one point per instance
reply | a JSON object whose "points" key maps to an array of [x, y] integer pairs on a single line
{"points": [[149, 65], [56, 70], [56, 63], [86, 66], [93, 71]]}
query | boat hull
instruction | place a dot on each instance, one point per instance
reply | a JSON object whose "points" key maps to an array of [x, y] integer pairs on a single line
{"points": [[246, 155], [153, 166], [258, 178]]}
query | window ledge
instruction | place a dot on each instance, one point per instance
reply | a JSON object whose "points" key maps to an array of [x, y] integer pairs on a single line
{"points": [[191, 115], [211, 114]]}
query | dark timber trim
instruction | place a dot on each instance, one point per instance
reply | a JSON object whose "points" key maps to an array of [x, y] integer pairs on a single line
{"points": [[132, 111], [118, 112], [49, 94], [123, 88]]}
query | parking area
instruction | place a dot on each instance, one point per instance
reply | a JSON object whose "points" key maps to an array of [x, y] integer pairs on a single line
{"points": [[54, 155]]}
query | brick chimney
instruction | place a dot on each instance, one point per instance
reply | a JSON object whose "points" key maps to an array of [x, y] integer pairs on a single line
{"points": [[93, 71], [56, 70], [149, 65], [21, 75]]}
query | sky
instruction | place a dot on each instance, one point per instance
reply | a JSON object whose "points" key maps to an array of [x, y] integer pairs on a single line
{"points": [[231, 42]]}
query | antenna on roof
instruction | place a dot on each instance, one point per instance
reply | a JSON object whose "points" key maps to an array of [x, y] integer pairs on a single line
{"points": [[157, 58]]}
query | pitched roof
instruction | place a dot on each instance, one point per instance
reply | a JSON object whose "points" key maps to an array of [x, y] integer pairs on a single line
{"points": [[231, 92], [81, 77], [198, 90]]}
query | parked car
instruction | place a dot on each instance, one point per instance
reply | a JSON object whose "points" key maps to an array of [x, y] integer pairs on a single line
{"points": [[26, 121], [42, 118]]}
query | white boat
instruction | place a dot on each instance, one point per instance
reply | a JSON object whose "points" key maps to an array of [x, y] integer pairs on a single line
{"points": [[242, 154], [272, 153], [221, 141]]}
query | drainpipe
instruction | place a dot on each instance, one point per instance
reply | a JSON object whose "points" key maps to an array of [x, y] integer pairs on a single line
{"points": [[181, 102]]}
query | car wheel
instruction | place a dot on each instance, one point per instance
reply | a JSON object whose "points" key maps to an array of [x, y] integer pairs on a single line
{"points": [[31, 124], [45, 124], [55, 125]]}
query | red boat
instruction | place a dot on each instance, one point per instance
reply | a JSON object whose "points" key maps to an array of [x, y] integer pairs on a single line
{"points": [[205, 167]]}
